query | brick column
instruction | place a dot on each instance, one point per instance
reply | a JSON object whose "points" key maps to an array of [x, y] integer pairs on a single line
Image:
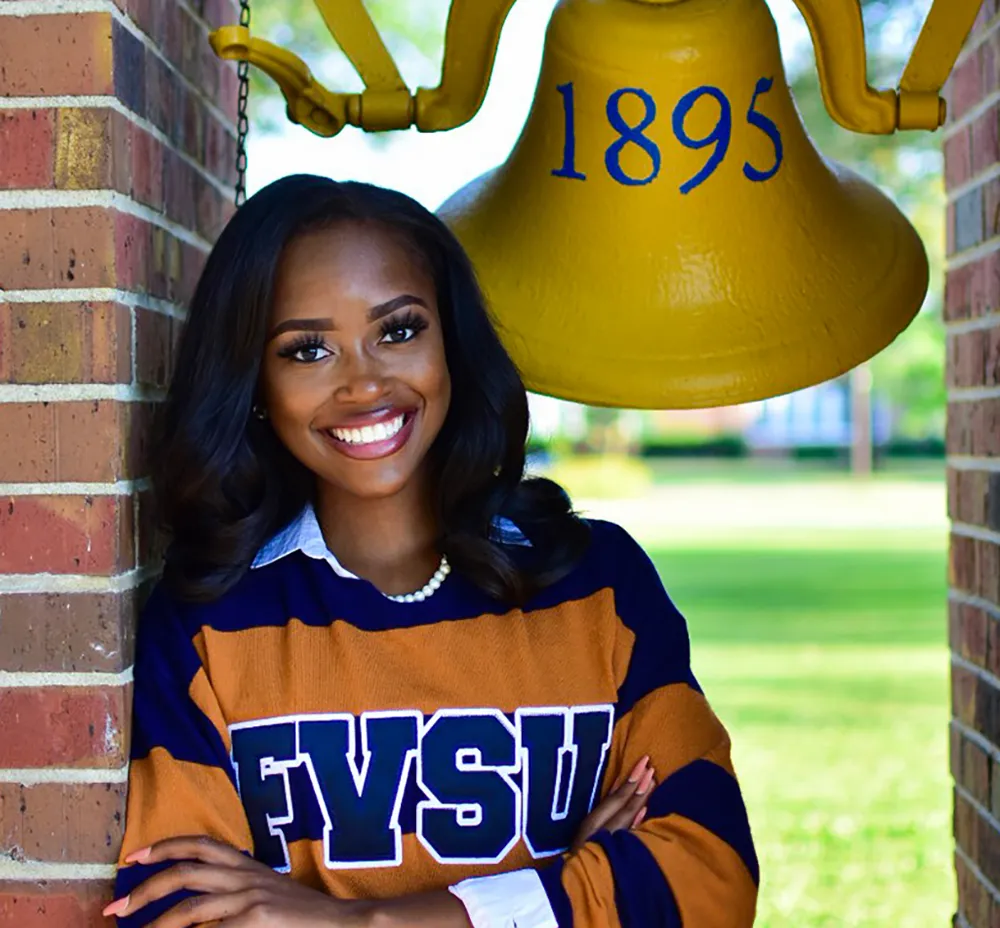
{"points": [[116, 170], [972, 312]]}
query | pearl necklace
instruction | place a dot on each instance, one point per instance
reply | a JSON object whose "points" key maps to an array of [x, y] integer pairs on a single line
{"points": [[429, 588]]}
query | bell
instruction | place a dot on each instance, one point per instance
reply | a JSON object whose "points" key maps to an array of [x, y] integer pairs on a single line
{"points": [[664, 233]]}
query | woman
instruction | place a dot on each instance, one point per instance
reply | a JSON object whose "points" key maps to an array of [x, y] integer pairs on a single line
{"points": [[385, 677]]}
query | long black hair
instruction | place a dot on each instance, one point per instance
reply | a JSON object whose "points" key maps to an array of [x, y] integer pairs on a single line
{"points": [[224, 483]]}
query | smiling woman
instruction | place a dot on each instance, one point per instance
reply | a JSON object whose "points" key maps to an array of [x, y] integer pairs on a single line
{"points": [[386, 680]]}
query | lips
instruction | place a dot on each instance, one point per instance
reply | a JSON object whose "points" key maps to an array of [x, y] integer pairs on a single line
{"points": [[373, 435], [368, 434]]}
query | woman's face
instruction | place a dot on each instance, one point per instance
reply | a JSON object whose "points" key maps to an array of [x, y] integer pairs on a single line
{"points": [[354, 377]]}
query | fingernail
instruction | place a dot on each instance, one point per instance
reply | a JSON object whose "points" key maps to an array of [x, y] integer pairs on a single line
{"points": [[116, 907], [138, 856], [639, 816], [646, 782], [637, 769]]}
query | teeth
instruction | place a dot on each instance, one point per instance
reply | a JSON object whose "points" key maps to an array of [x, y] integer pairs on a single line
{"points": [[367, 434]]}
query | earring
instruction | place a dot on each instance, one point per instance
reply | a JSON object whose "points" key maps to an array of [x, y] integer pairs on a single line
{"points": [[259, 412]]}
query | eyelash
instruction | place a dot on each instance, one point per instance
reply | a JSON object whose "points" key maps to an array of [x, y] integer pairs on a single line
{"points": [[408, 320], [313, 342], [302, 343]]}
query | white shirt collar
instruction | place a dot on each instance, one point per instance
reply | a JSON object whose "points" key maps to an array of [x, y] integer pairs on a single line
{"points": [[301, 534], [304, 534]]}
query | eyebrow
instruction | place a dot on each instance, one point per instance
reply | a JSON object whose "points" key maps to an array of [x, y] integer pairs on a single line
{"points": [[327, 325]]}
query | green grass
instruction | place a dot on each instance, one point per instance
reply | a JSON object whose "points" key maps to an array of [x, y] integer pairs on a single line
{"points": [[824, 653]]}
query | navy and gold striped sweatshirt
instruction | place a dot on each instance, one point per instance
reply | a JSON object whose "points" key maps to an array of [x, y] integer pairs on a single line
{"points": [[373, 748]]}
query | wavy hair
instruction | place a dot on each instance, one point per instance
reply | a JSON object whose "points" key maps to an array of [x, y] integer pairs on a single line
{"points": [[223, 482]]}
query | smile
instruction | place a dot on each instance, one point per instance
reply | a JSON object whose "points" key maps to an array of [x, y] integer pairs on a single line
{"points": [[374, 439], [368, 434]]}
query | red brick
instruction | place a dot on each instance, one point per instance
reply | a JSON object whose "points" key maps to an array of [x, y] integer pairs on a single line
{"points": [[966, 827], [66, 534], [973, 897], [152, 259], [183, 40], [84, 148], [54, 904], [95, 247], [965, 87], [973, 290], [63, 822], [967, 491], [967, 358], [26, 142], [67, 632], [91, 442], [974, 427], [985, 150], [47, 248], [97, 148], [991, 361], [65, 343], [64, 726], [962, 563], [969, 633], [975, 772], [987, 576], [958, 293], [56, 54], [958, 158], [988, 66], [991, 207]]}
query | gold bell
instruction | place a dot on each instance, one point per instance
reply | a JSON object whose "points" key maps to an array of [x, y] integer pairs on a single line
{"points": [[665, 234]]}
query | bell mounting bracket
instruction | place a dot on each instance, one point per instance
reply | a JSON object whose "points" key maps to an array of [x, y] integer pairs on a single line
{"points": [[471, 38], [473, 32]]}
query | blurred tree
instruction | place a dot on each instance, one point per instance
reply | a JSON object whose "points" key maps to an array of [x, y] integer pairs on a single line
{"points": [[908, 166]]}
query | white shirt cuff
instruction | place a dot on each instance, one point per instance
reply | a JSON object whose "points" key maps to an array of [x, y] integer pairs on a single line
{"points": [[507, 900]]}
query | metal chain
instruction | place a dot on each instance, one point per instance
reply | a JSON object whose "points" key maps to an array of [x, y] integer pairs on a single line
{"points": [[242, 122]]}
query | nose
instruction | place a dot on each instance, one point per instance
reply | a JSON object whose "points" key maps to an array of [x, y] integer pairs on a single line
{"points": [[361, 379]]}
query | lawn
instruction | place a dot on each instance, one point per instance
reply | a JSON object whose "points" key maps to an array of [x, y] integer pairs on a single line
{"points": [[830, 670], [817, 610]]}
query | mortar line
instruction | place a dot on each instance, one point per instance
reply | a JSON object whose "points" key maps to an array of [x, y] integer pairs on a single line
{"points": [[966, 462], [37, 776], [70, 488], [989, 321], [977, 602], [964, 530], [981, 672], [79, 392], [31, 871], [75, 583], [95, 295], [33, 679], [103, 199]]}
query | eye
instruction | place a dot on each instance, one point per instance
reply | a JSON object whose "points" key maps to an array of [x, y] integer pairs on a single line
{"points": [[305, 350], [403, 328], [401, 333]]}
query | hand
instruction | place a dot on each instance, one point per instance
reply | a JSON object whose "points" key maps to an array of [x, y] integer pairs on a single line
{"points": [[624, 807], [238, 892]]}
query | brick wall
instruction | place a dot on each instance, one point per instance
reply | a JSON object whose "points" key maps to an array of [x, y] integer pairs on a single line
{"points": [[116, 169], [972, 313]]}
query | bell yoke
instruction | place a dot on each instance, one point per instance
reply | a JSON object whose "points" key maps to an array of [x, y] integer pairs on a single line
{"points": [[664, 233]]}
